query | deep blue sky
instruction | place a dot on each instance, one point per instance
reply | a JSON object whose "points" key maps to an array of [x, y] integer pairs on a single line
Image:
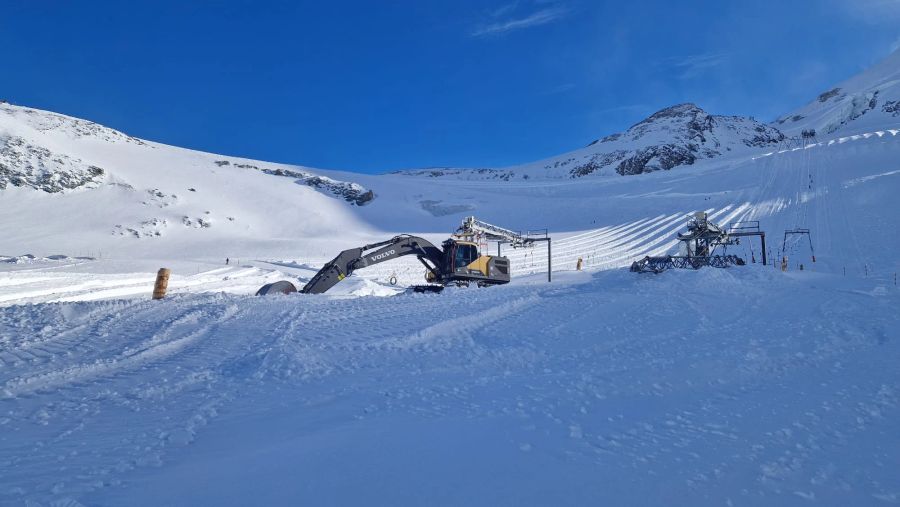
{"points": [[376, 85]]}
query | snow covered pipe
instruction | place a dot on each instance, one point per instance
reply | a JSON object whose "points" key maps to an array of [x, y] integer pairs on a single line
{"points": [[162, 283]]}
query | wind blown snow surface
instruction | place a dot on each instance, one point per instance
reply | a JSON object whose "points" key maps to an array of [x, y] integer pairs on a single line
{"points": [[746, 386], [741, 386]]}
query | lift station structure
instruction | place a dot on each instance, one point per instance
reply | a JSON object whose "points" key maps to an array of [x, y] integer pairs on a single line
{"points": [[700, 242], [800, 233], [479, 231]]}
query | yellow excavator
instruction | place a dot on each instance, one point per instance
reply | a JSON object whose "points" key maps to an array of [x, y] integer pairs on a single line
{"points": [[456, 262]]}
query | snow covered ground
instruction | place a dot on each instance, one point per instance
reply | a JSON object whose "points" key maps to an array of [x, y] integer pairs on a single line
{"points": [[745, 386]]}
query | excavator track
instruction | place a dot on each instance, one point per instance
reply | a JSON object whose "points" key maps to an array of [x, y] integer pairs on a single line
{"points": [[426, 289]]}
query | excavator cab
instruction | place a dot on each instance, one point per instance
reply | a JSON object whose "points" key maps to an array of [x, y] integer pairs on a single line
{"points": [[465, 264], [464, 254]]}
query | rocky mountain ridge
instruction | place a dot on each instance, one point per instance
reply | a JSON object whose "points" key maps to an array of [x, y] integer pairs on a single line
{"points": [[679, 135], [35, 152], [864, 102]]}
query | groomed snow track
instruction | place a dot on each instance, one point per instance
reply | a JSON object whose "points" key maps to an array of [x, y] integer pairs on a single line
{"points": [[710, 396]]}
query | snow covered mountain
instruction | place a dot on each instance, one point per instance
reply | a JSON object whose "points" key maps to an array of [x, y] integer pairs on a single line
{"points": [[98, 190], [675, 136], [865, 102], [684, 134], [37, 150], [90, 184], [678, 135]]}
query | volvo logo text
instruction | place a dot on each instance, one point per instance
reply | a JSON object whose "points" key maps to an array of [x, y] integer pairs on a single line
{"points": [[382, 255]]}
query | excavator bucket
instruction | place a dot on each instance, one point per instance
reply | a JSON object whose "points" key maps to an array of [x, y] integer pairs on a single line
{"points": [[281, 287]]}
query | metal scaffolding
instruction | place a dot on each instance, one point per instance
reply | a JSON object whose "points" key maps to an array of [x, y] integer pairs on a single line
{"points": [[701, 240], [474, 229]]}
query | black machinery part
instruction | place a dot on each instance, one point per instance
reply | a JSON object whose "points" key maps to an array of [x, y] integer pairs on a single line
{"points": [[282, 287], [659, 264]]}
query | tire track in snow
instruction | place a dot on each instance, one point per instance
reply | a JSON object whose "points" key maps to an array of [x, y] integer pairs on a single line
{"points": [[99, 286], [53, 342], [89, 286], [159, 347], [174, 383], [444, 334]]}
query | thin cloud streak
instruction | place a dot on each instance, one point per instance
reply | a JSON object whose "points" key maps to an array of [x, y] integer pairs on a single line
{"points": [[695, 65], [541, 17], [872, 11], [565, 87], [504, 9]]}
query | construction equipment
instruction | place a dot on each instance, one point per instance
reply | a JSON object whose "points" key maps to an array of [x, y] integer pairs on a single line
{"points": [[457, 262]]}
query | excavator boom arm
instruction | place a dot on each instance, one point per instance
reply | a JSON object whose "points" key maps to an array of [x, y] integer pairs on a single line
{"points": [[352, 259]]}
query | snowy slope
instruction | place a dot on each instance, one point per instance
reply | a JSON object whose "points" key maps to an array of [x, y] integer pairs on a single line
{"points": [[839, 187], [69, 185], [46, 165], [868, 101]]}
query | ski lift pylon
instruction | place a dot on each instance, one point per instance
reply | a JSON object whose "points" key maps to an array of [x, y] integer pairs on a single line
{"points": [[798, 232]]}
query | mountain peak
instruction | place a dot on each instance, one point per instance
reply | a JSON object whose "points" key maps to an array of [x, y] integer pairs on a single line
{"points": [[688, 113], [685, 109]]}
